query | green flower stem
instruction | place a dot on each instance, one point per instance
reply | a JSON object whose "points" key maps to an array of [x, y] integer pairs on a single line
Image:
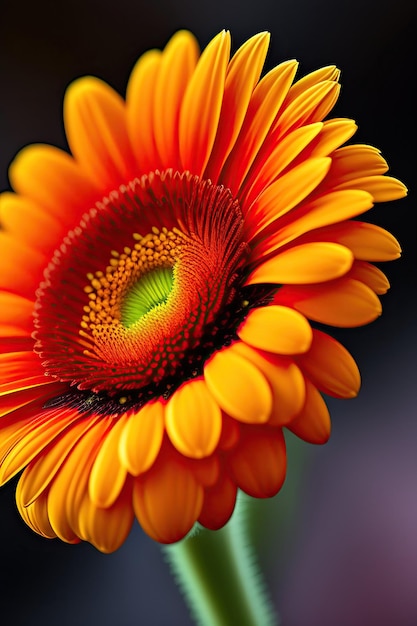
{"points": [[218, 575]]}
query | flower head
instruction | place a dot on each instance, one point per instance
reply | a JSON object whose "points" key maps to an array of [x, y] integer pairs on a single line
{"points": [[159, 283]]}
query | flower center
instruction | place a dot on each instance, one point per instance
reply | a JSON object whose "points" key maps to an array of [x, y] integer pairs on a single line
{"points": [[142, 290], [150, 291]]}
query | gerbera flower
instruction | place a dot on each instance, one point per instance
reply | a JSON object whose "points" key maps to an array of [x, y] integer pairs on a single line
{"points": [[158, 286]]}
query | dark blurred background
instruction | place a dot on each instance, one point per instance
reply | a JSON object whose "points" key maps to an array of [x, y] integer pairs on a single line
{"points": [[339, 543]]}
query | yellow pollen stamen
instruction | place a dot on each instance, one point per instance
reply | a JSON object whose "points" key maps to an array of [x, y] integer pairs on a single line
{"points": [[107, 290]]}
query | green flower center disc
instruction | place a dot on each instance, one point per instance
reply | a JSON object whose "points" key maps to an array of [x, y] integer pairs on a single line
{"points": [[150, 291]]}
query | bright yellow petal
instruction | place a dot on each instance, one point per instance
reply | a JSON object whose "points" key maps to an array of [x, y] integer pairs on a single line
{"points": [[335, 133], [381, 188], [239, 387], [326, 209], [350, 160], [285, 193], [265, 103], [193, 420], [95, 123], [310, 106], [273, 158], [39, 474], [178, 62], [202, 103], [31, 443], [70, 484], [276, 329], [284, 378], [314, 262], [141, 438], [108, 475], [367, 241], [327, 73], [330, 367], [242, 75], [140, 97]]}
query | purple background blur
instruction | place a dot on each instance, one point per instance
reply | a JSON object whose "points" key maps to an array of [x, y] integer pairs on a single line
{"points": [[339, 544]]}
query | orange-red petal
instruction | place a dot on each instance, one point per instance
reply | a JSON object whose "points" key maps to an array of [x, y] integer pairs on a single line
{"points": [[344, 302], [330, 367], [313, 423], [167, 500], [258, 465]]}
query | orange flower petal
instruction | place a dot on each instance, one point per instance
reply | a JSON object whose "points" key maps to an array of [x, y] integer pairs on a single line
{"points": [[285, 379], [258, 465], [200, 109], [327, 73], [107, 528], [274, 157], [349, 160], [238, 386], [17, 367], [367, 241], [370, 276], [13, 332], [207, 470], [108, 475], [18, 399], [344, 303], [18, 308], [21, 266], [178, 63], [167, 500], [308, 263], [333, 134], [95, 123], [230, 432], [312, 105], [330, 367], [140, 97], [263, 108], [141, 438], [326, 209], [65, 195], [41, 471], [33, 441], [36, 514], [313, 423], [28, 222], [193, 420], [381, 188], [276, 329], [242, 75], [70, 484], [219, 503], [286, 192]]}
